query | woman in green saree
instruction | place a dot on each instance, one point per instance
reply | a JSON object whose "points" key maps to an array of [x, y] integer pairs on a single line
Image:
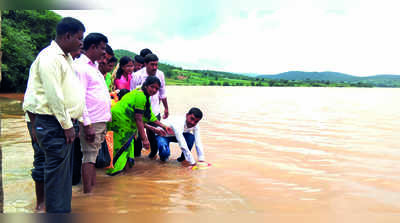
{"points": [[128, 117]]}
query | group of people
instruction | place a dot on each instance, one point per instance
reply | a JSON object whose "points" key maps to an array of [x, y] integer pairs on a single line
{"points": [[68, 98]]}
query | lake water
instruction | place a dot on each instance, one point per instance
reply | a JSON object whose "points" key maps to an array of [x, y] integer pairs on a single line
{"points": [[327, 152]]}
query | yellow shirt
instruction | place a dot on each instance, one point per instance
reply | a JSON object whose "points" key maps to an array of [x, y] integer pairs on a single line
{"points": [[54, 88]]}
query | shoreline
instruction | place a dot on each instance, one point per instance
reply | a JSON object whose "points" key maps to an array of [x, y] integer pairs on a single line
{"points": [[15, 96]]}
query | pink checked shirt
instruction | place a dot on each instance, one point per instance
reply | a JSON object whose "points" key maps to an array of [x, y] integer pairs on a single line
{"points": [[98, 102]]}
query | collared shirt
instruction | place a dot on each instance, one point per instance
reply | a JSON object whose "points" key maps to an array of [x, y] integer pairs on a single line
{"points": [[138, 79], [178, 124], [98, 101], [53, 87]]}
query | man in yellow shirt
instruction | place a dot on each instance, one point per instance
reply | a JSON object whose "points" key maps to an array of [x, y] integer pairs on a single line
{"points": [[54, 99]]}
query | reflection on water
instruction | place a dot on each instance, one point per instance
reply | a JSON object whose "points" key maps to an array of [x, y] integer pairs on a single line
{"points": [[17, 158], [326, 151], [10, 107]]}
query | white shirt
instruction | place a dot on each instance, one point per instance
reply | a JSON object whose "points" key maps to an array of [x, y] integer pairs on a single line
{"points": [[138, 79], [178, 125], [54, 88]]}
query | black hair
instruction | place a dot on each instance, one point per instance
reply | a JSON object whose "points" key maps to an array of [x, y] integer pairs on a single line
{"points": [[109, 50], [93, 38], [122, 62], [139, 59], [150, 57], [69, 25], [121, 93], [149, 81], [112, 60], [196, 112], [144, 52]]}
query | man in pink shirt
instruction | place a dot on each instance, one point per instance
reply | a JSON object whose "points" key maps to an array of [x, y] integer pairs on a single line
{"points": [[150, 69], [98, 105]]}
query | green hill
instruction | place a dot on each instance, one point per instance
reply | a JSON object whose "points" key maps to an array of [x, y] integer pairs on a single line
{"points": [[320, 76], [376, 80], [120, 53], [177, 76]]}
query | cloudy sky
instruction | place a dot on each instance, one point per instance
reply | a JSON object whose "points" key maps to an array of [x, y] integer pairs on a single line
{"points": [[358, 37]]}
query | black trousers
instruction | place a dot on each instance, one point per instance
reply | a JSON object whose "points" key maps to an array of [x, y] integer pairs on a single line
{"points": [[38, 158], [58, 164], [151, 136], [76, 158]]}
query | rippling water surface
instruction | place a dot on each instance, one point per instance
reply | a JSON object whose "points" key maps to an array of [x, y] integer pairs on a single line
{"points": [[332, 152]]}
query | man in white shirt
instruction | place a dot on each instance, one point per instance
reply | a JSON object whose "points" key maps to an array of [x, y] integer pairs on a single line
{"points": [[54, 100], [150, 69], [186, 133]]}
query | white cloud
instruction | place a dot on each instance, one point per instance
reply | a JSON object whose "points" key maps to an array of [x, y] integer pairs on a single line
{"points": [[359, 38]]}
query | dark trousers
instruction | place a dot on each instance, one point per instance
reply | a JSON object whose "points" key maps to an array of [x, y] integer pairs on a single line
{"points": [[152, 140], [77, 159], [38, 158], [163, 145], [58, 164]]}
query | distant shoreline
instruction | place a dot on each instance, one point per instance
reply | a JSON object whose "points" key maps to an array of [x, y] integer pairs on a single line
{"points": [[20, 96], [16, 96]]}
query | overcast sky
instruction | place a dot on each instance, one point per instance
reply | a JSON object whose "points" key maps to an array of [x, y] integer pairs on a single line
{"points": [[358, 37]]}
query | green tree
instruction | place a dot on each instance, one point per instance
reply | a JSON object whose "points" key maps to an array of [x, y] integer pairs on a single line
{"points": [[168, 74], [226, 83], [121, 53], [24, 34]]}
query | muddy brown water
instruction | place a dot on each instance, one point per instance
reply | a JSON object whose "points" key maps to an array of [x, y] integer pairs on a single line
{"points": [[327, 152]]}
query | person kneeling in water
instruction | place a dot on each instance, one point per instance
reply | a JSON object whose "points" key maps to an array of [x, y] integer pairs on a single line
{"points": [[186, 133]]}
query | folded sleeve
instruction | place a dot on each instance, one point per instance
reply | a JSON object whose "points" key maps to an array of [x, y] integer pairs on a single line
{"points": [[182, 143]]}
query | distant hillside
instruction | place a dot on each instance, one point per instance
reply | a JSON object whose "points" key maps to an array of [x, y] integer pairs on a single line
{"points": [[178, 76], [327, 76], [385, 80], [221, 74], [120, 53], [319, 76], [383, 77]]}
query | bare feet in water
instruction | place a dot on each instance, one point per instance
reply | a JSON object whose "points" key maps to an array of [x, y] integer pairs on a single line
{"points": [[154, 157], [40, 208]]}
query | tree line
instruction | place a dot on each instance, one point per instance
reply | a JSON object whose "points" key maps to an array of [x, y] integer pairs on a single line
{"points": [[23, 34]]}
